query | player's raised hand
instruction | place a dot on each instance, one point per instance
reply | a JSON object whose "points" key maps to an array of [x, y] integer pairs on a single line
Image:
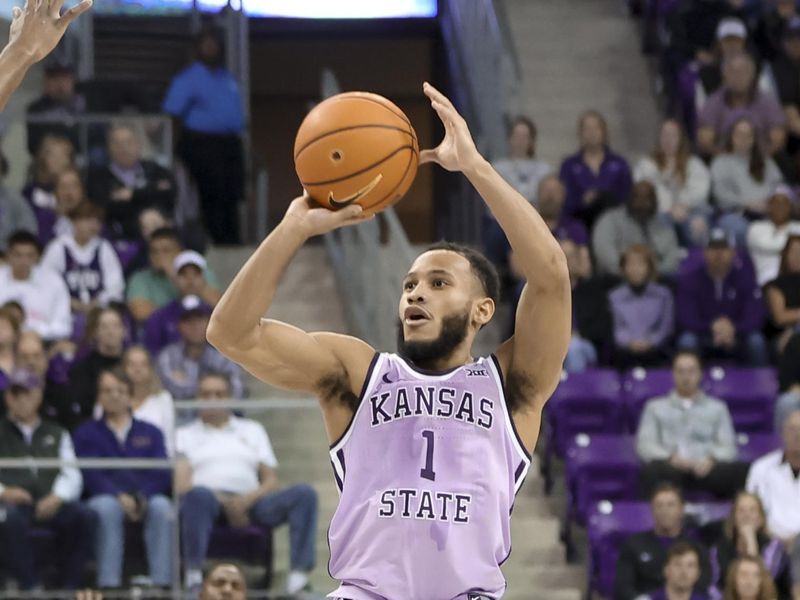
{"points": [[39, 26], [457, 152], [312, 219]]}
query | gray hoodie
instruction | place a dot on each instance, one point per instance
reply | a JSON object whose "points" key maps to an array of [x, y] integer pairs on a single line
{"points": [[15, 214]]}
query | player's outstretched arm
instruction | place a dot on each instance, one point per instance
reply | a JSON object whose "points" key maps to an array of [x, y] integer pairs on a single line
{"points": [[535, 354], [35, 31], [275, 352]]}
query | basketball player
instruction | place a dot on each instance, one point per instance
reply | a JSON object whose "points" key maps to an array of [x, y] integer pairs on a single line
{"points": [[430, 445], [35, 31]]}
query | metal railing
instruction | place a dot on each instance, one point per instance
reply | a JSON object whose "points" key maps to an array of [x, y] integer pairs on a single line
{"points": [[135, 592], [369, 261]]}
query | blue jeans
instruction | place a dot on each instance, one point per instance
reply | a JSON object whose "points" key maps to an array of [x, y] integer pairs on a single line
{"points": [[750, 347], [735, 225], [110, 539], [73, 525], [296, 505], [580, 356], [788, 402]]}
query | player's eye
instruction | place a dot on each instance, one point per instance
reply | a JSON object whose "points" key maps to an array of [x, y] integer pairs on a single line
{"points": [[439, 283], [408, 285]]}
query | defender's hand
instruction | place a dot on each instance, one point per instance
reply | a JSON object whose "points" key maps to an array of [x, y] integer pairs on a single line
{"points": [[313, 219], [37, 28], [457, 152]]}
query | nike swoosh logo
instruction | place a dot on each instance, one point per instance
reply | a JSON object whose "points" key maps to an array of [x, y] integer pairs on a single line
{"points": [[339, 204]]}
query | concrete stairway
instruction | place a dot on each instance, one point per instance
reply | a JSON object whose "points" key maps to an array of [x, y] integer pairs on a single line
{"points": [[307, 297]]}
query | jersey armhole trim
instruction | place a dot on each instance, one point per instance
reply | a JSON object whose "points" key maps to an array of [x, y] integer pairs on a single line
{"points": [[509, 419], [372, 371]]}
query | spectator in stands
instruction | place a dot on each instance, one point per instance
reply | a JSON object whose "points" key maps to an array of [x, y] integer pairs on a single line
{"points": [[129, 184], [119, 495], [636, 222], [224, 582], [153, 287], [642, 557], [9, 334], [681, 180], [182, 363], [58, 104], [40, 291], [591, 322], [42, 496], [742, 179], [748, 579], [719, 308], [55, 155], [773, 27], [773, 478], [15, 213], [693, 27], [642, 310], [206, 100], [788, 381], [687, 437], [161, 328], [133, 253], [767, 238], [522, 169], [595, 177], [56, 405], [783, 293], [744, 534], [227, 467], [69, 194], [86, 261], [681, 572], [105, 329], [785, 70], [739, 95], [150, 402]]}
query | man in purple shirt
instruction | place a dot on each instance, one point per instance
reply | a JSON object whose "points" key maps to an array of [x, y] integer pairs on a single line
{"points": [[595, 177], [719, 306], [680, 574], [738, 97]]}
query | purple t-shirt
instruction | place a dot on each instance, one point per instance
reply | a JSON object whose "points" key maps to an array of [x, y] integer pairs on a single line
{"points": [[614, 177], [161, 328], [765, 111], [427, 473], [571, 229]]}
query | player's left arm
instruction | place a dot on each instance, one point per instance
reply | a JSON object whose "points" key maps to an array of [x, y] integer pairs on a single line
{"points": [[532, 359], [35, 31]]}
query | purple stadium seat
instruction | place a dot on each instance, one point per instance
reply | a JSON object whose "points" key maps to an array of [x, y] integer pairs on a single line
{"points": [[250, 544], [640, 385], [588, 402], [608, 524], [599, 467], [755, 445], [750, 394]]}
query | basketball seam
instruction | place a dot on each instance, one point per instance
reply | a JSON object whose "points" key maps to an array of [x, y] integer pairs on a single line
{"points": [[381, 104], [361, 171], [408, 165], [351, 128]]}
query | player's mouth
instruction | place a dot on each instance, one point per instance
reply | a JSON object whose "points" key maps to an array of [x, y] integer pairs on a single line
{"points": [[414, 316], [353, 197]]}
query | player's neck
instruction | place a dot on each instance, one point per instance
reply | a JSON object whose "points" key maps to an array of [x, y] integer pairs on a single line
{"points": [[458, 358]]}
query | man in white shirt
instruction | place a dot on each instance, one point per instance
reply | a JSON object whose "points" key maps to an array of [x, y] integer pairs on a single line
{"points": [[46, 497], [39, 290], [775, 478], [226, 468], [767, 237]]}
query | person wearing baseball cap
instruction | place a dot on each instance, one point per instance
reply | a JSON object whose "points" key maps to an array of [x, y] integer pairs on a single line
{"points": [[161, 327], [719, 308], [40, 497], [767, 237]]}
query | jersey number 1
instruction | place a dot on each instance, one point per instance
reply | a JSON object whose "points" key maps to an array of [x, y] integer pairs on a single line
{"points": [[428, 472]]}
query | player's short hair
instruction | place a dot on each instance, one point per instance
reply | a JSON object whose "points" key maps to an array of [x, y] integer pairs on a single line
{"points": [[87, 210], [481, 266], [679, 549]]}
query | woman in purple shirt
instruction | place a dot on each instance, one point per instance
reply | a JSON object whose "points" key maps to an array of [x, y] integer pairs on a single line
{"points": [[642, 310], [595, 177]]}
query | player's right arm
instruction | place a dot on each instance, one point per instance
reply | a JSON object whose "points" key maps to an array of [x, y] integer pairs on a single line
{"points": [[278, 353]]}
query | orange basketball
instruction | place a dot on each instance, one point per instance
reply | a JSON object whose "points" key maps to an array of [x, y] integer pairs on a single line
{"points": [[356, 147]]}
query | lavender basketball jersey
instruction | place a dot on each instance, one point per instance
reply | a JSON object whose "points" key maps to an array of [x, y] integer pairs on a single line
{"points": [[427, 473]]}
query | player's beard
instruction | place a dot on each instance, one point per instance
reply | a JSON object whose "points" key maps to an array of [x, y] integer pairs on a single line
{"points": [[427, 353]]}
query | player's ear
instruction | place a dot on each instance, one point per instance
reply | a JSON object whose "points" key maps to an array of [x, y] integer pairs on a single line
{"points": [[483, 311]]}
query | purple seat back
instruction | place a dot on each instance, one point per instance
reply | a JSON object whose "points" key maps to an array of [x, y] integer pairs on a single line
{"points": [[750, 394], [608, 525], [753, 446], [640, 385], [588, 402], [600, 467], [250, 544]]}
